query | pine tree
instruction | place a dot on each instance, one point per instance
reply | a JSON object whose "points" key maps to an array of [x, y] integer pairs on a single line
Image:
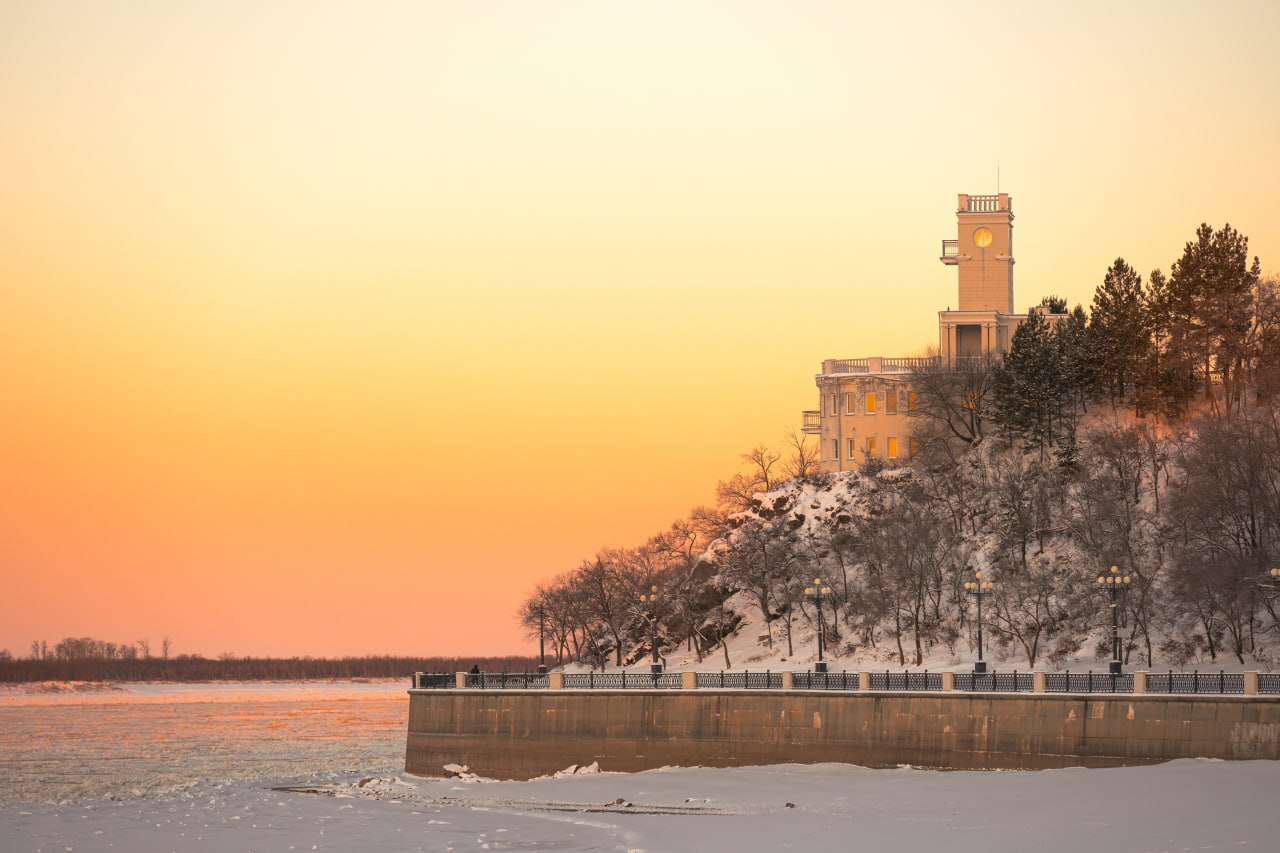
{"points": [[1166, 380], [1028, 392], [1119, 331], [1210, 293], [1054, 304]]}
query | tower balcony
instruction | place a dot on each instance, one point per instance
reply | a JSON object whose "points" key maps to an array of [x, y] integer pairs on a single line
{"points": [[950, 252], [998, 203], [811, 422]]}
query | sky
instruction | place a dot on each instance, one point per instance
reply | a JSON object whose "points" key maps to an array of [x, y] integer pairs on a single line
{"points": [[335, 328]]}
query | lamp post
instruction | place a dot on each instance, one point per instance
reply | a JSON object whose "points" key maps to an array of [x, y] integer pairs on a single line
{"points": [[978, 588], [649, 601], [542, 647], [817, 593], [1116, 585]]}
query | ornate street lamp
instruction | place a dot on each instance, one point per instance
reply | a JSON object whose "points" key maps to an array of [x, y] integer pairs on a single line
{"points": [[978, 588], [1115, 585], [816, 594], [649, 602]]}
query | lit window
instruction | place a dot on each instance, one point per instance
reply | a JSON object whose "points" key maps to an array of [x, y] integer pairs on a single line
{"points": [[893, 448], [853, 448], [871, 402], [970, 400], [871, 445], [891, 402], [911, 401]]}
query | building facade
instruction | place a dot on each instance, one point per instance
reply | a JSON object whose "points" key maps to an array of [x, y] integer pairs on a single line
{"points": [[865, 404]]}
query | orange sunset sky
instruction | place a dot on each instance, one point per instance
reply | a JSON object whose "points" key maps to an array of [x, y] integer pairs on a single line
{"points": [[333, 328]]}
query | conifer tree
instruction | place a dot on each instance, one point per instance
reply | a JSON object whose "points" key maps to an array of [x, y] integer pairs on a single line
{"points": [[1028, 383], [1119, 331], [1210, 295]]}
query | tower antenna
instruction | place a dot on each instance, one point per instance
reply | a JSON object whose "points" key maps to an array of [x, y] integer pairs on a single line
{"points": [[997, 177]]}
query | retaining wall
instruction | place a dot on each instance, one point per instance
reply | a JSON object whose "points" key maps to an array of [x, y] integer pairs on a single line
{"points": [[520, 734]]}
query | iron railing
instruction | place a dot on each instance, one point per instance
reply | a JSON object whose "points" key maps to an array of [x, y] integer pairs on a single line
{"points": [[904, 680], [995, 682], [950, 248], [1169, 683], [622, 680], [824, 681], [508, 681], [1197, 682], [1088, 682], [740, 680]]}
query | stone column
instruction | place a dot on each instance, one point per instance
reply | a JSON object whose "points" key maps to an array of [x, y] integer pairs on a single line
{"points": [[864, 681], [556, 681], [460, 680], [1037, 682], [688, 681], [1140, 682], [788, 681], [1251, 682], [948, 681]]}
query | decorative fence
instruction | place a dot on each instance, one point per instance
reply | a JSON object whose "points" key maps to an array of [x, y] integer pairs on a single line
{"points": [[1088, 682], [824, 681], [1172, 683], [904, 680], [1204, 682], [622, 680], [995, 682], [512, 681], [739, 680]]}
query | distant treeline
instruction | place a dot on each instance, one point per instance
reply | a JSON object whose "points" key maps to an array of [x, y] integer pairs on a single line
{"points": [[196, 668]]}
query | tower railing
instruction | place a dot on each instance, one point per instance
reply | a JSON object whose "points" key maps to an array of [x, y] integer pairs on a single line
{"points": [[982, 204]]}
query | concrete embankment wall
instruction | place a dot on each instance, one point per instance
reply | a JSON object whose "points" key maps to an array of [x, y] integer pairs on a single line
{"points": [[521, 734]]}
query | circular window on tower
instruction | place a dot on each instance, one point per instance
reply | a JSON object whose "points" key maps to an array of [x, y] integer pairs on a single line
{"points": [[982, 238]]}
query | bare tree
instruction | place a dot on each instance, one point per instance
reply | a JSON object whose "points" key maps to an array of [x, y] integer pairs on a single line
{"points": [[804, 456]]}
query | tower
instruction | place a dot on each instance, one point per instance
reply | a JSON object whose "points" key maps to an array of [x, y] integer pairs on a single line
{"points": [[983, 255]]}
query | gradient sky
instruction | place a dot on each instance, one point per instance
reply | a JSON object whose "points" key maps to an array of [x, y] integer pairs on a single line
{"points": [[334, 328]]}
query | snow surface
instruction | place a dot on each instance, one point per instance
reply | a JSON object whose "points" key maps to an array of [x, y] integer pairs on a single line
{"points": [[1185, 805]]}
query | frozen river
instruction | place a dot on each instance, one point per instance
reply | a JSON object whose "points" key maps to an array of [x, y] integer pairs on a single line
{"points": [[285, 767], [130, 740]]}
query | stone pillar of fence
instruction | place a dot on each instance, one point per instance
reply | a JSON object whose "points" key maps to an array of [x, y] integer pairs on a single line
{"points": [[788, 681], [1140, 681], [948, 681], [1251, 682], [1037, 682], [417, 681], [460, 680], [555, 681], [864, 681], [688, 681]]}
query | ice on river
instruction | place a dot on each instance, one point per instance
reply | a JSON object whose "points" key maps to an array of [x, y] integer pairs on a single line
{"points": [[1184, 805], [270, 768]]}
